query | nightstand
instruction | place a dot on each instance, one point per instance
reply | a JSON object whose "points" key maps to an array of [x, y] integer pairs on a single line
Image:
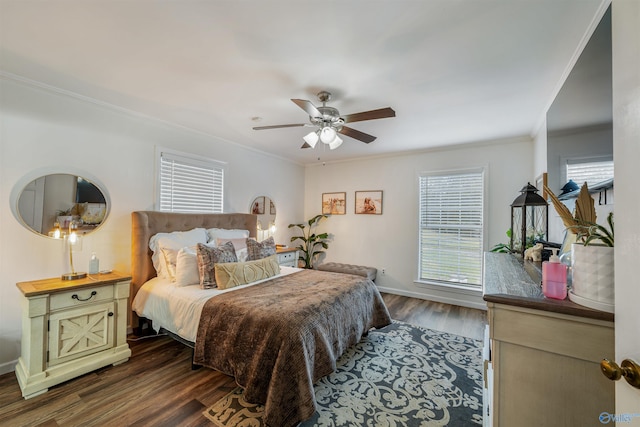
{"points": [[287, 256], [71, 327]]}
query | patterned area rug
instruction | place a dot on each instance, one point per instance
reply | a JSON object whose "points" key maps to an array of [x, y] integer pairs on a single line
{"points": [[401, 375]]}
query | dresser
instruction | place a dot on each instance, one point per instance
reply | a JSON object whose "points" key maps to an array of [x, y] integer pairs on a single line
{"points": [[71, 327], [542, 356], [287, 256]]}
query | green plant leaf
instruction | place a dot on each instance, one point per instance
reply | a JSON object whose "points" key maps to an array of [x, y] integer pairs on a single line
{"points": [[310, 241]]}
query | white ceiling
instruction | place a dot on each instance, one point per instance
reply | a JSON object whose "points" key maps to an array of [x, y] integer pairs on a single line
{"points": [[455, 71]]}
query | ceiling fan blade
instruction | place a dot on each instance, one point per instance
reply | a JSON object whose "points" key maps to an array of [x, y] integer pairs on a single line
{"points": [[381, 113], [356, 134], [308, 107], [305, 145], [280, 126]]}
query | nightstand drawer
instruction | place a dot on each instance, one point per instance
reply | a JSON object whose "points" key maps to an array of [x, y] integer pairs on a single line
{"points": [[288, 258], [79, 297]]}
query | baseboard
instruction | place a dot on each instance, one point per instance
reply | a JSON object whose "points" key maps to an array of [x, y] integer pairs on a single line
{"points": [[7, 367], [469, 301]]}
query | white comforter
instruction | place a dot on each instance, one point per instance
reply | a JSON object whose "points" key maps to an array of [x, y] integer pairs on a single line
{"points": [[177, 308]]}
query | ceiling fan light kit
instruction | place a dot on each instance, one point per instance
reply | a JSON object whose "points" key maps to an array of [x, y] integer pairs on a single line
{"points": [[327, 135], [312, 139], [337, 142], [329, 122]]}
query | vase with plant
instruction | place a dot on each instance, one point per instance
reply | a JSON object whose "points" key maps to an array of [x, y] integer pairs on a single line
{"points": [[312, 244], [592, 267]]}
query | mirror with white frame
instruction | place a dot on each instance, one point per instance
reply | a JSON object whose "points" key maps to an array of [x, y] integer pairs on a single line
{"points": [[265, 209], [61, 198]]}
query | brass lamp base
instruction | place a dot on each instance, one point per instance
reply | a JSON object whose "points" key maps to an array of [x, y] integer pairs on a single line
{"points": [[73, 276]]}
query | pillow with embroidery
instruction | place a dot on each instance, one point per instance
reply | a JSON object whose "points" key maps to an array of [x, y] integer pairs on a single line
{"points": [[258, 250], [234, 274], [208, 257]]}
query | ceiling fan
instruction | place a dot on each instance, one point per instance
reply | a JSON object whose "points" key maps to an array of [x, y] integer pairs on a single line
{"points": [[329, 122]]}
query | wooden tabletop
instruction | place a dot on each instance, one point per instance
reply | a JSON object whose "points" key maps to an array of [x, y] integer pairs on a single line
{"points": [[56, 284], [510, 280], [281, 250]]}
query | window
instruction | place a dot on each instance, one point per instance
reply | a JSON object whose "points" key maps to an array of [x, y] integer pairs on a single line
{"points": [[591, 171], [451, 228], [190, 184]]}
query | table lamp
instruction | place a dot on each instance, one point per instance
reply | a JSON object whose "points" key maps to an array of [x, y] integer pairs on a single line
{"points": [[72, 238]]}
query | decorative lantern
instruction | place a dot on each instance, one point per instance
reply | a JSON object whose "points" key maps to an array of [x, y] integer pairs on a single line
{"points": [[529, 219]]}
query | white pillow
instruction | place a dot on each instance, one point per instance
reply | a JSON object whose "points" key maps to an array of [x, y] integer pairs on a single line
{"points": [[242, 254], [222, 233], [170, 256], [187, 267], [173, 241]]}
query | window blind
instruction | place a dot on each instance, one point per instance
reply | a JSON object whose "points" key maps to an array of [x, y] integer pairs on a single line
{"points": [[190, 185], [591, 172], [451, 228]]}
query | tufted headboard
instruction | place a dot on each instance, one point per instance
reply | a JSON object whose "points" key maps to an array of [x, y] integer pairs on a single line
{"points": [[144, 224]]}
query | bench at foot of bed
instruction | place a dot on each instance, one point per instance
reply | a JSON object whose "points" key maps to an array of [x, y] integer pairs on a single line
{"points": [[358, 270]]}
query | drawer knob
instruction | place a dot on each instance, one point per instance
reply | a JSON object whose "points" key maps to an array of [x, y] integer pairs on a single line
{"points": [[76, 297], [628, 369], [110, 314]]}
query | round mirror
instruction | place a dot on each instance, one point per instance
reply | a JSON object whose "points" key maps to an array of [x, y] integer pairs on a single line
{"points": [[61, 198], [264, 207]]}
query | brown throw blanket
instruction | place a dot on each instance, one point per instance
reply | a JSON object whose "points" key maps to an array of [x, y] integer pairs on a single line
{"points": [[279, 337]]}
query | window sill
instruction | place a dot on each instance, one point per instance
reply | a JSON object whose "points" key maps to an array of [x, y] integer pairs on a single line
{"points": [[452, 287], [451, 294]]}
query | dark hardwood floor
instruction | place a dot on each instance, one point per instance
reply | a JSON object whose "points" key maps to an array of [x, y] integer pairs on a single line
{"points": [[467, 322], [157, 387]]}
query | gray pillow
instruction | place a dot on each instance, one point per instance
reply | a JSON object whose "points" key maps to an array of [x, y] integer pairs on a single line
{"points": [[258, 250], [208, 256]]}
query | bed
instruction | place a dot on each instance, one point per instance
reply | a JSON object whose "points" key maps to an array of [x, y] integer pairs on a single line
{"points": [[276, 337]]}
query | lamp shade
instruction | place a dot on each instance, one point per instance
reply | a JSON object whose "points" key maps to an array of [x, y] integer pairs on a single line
{"points": [[327, 135], [337, 142], [311, 138]]}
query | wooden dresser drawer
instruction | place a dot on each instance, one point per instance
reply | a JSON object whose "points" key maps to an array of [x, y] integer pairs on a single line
{"points": [[79, 297], [572, 336]]}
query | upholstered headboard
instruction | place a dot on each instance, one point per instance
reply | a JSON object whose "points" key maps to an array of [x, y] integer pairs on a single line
{"points": [[144, 224]]}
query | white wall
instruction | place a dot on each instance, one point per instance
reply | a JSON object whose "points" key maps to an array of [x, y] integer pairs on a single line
{"points": [[540, 151], [389, 240], [42, 130]]}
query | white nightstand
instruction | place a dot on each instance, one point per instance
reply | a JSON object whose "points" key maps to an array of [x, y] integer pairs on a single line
{"points": [[70, 328], [287, 256]]}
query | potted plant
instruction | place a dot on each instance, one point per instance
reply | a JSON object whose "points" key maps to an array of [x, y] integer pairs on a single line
{"points": [[592, 257], [311, 242], [503, 247]]}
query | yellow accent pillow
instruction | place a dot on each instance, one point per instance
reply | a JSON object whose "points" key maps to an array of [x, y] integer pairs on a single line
{"points": [[231, 274]]}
